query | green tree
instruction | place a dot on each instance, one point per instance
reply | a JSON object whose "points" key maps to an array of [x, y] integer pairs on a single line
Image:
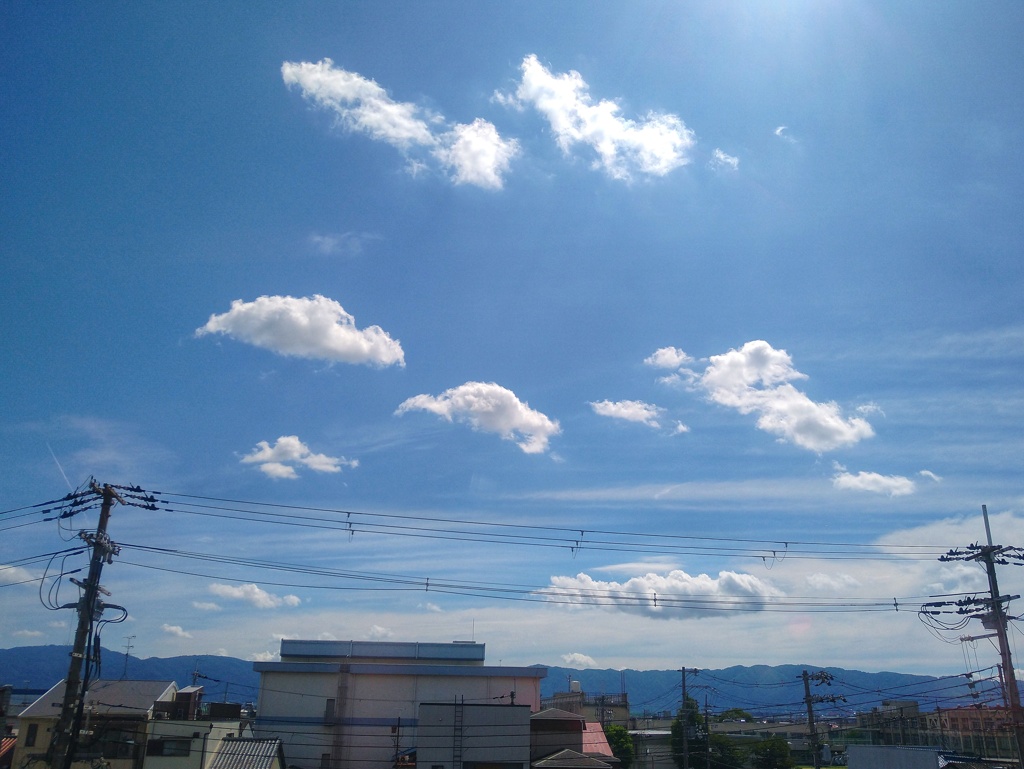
{"points": [[772, 753], [725, 754], [621, 744], [735, 714], [691, 721]]}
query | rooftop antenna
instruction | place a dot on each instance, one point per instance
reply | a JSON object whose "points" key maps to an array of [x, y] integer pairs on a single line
{"points": [[127, 650]]}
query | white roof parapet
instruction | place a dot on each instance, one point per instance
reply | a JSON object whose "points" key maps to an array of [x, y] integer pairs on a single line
{"points": [[336, 650]]}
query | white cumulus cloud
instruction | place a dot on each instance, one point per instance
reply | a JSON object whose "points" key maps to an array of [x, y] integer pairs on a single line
{"points": [[175, 630], [757, 379], [673, 595], [475, 152], [631, 411], [893, 485], [280, 460], [654, 145], [379, 633], [668, 357], [579, 661], [254, 595], [305, 327], [489, 408]]}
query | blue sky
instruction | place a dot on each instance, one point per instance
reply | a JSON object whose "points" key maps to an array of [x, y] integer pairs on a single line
{"points": [[746, 273]]}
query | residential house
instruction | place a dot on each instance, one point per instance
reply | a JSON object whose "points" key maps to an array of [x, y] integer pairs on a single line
{"points": [[559, 739], [116, 715], [135, 725]]}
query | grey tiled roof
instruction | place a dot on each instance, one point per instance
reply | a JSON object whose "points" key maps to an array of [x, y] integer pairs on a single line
{"points": [[248, 753], [120, 698]]}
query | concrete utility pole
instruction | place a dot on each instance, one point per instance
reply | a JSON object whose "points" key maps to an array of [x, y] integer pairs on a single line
{"points": [[62, 747], [812, 729], [994, 618], [685, 716], [819, 678]]}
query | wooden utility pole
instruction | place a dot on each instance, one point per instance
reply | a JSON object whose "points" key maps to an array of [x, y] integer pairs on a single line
{"points": [[64, 741]]}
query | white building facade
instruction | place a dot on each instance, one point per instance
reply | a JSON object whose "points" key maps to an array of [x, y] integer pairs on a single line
{"points": [[355, 704]]}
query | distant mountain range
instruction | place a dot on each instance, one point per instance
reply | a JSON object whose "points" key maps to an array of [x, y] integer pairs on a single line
{"points": [[758, 689]]}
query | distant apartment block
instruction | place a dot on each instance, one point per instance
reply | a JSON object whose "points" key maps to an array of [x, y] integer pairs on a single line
{"points": [[603, 708]]}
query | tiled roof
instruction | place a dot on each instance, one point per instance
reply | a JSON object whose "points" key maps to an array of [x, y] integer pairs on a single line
{"points": [[248, 753], [595, 742], [121, 698], [569, 759], [7, 747], [556, 715]]}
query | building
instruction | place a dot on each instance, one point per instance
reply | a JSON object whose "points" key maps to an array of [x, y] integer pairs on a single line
{"points": [[356, 704], [452, 735], [136, 725], [559, 738], [900, 757], [977, 729], [603, 708], [116, 715]]}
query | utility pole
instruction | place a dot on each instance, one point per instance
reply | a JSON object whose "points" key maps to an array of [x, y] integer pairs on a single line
{"points": [[994, 616], [684, 714], [819, 678], [707, 728], [62, 747]]}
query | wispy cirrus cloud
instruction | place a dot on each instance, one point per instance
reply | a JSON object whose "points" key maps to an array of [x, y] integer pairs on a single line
{"points": [[473, 153], [654, 145], [308, 327], [720, 161], [340, 243], [287, 453], [674, 595], [757, 379], [15, 575], [254, 595], [489, 408], [629, 411]]}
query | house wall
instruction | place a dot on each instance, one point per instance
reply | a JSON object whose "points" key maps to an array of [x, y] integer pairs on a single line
{"points": [[370, 699], [293, 705], [891, 757], [489, 734], [203, 738]]}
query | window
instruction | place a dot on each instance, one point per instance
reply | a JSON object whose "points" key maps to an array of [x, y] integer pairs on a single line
{"points": [[325, 760], [168, 747], [31, 734]]}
